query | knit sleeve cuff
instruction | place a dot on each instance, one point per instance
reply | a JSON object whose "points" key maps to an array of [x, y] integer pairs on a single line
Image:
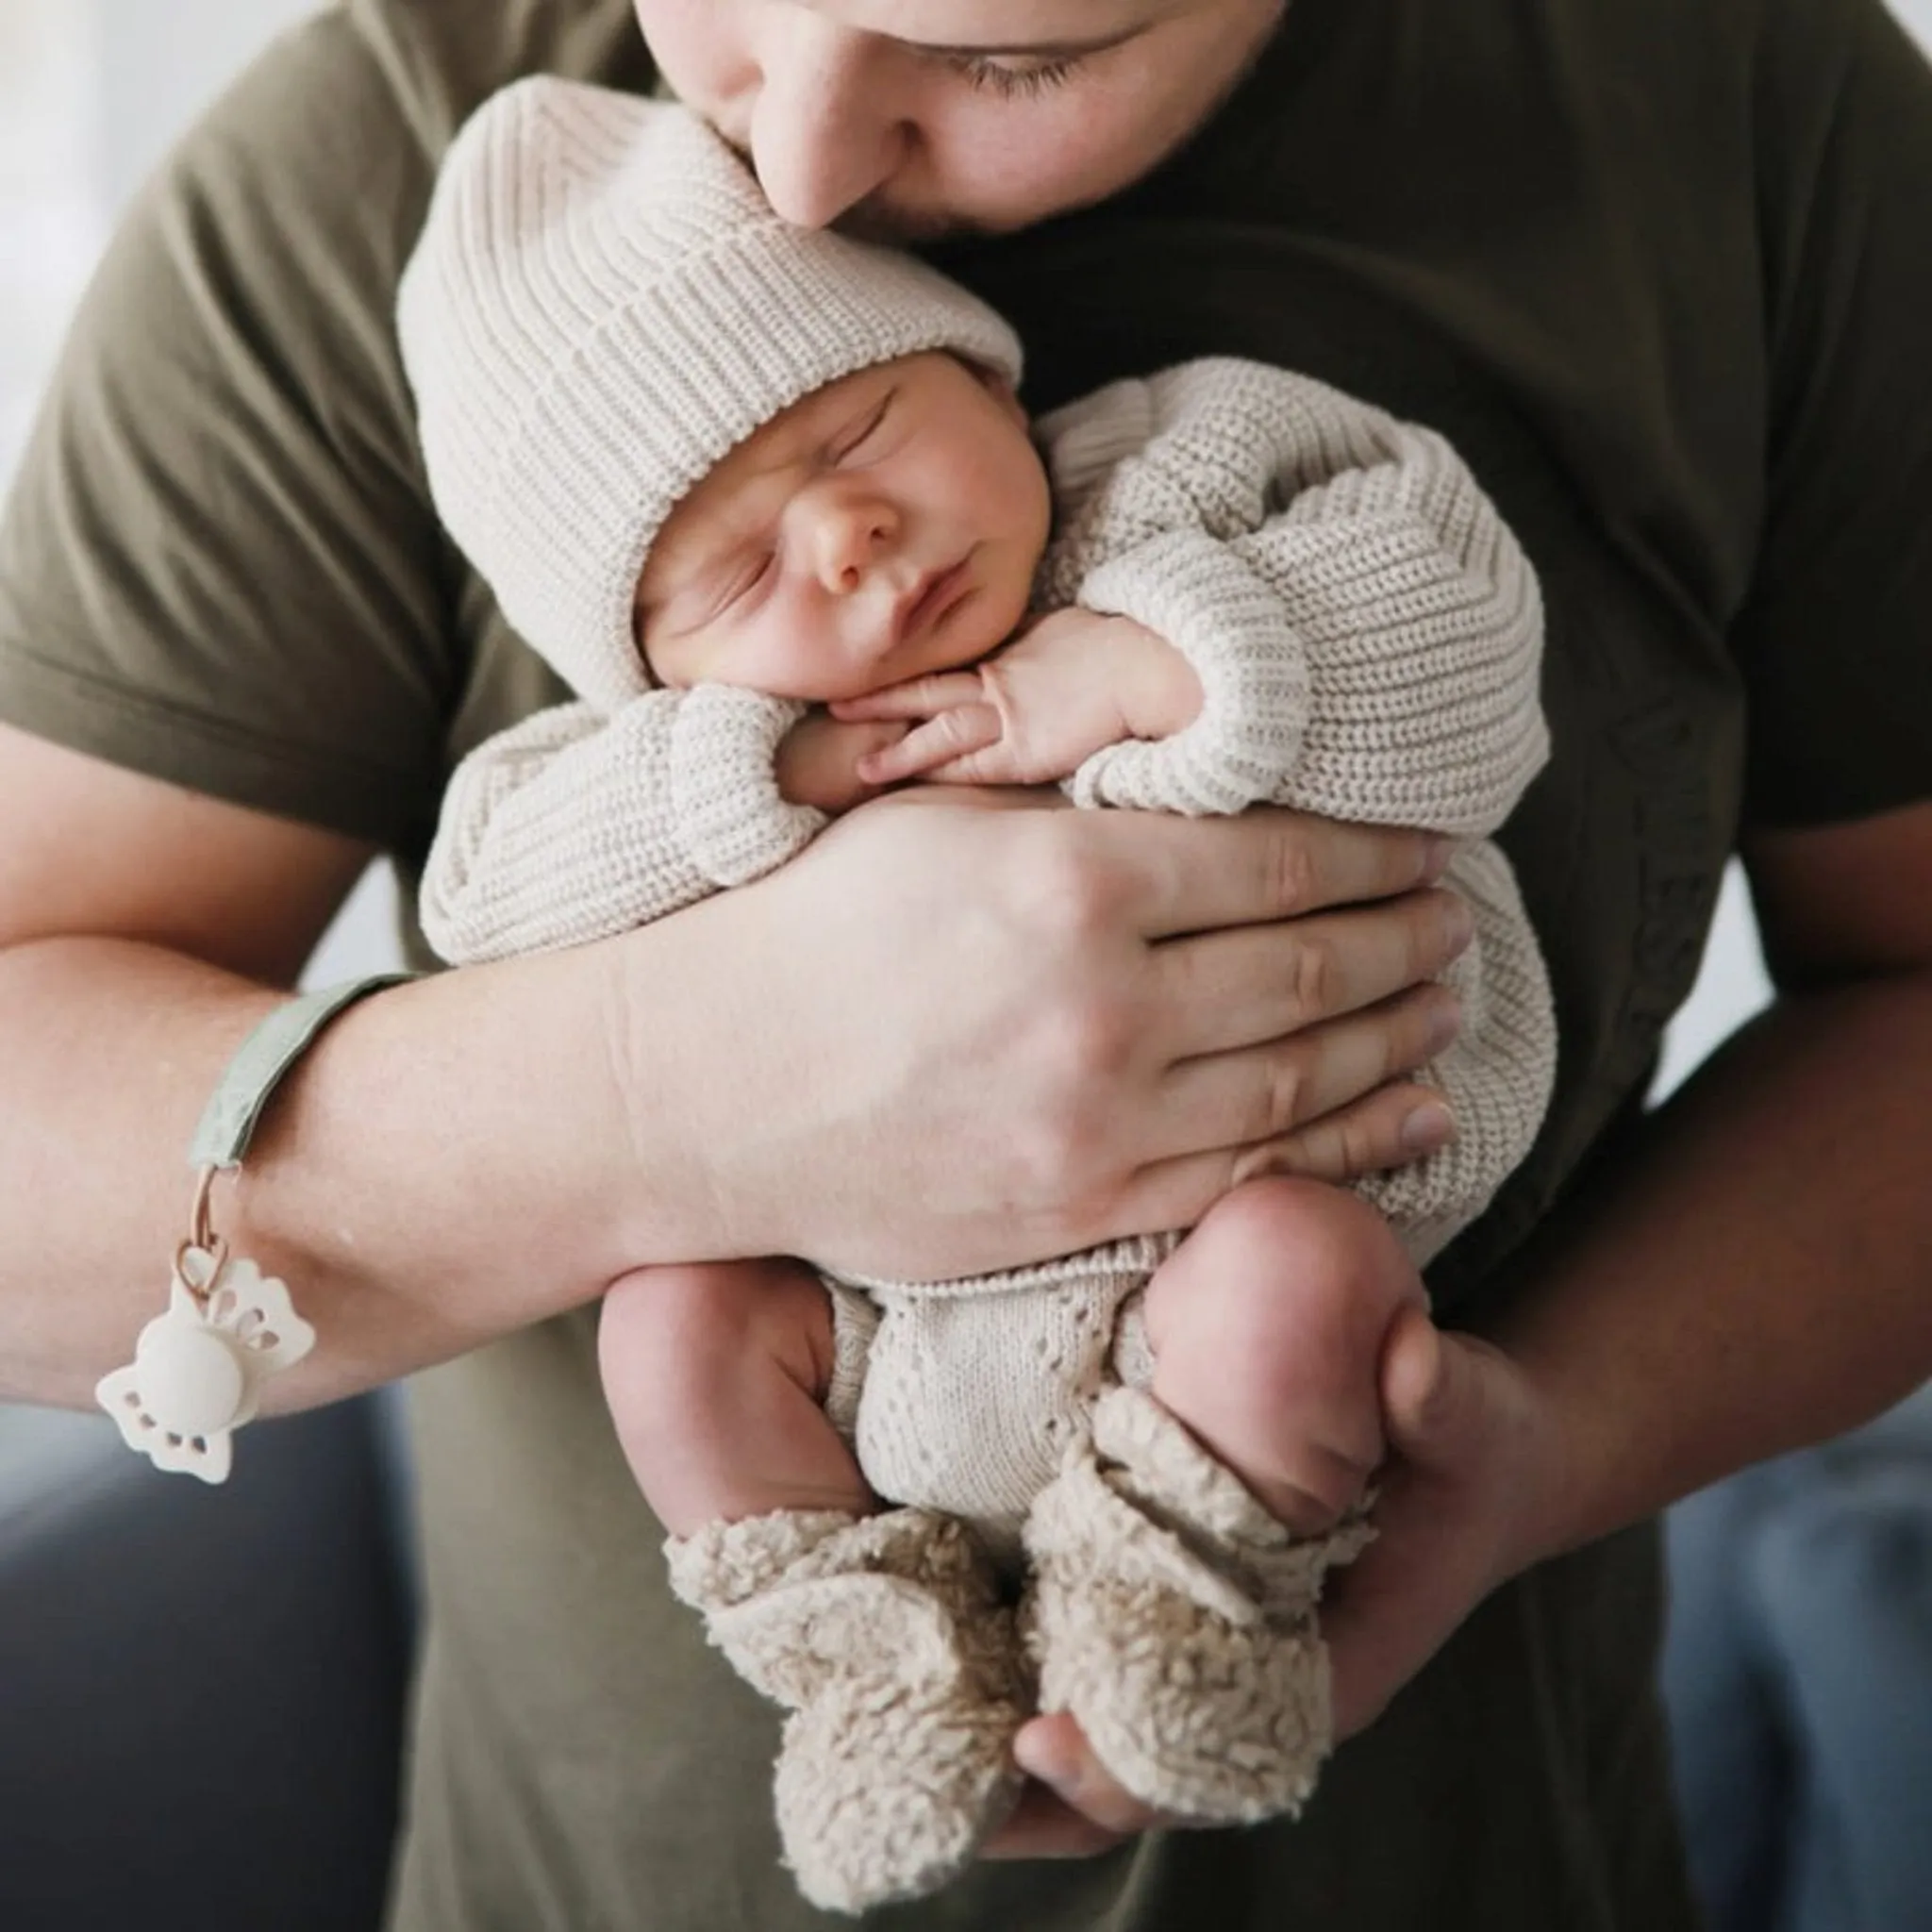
{"points": [[735, 823], [1208, 603]]}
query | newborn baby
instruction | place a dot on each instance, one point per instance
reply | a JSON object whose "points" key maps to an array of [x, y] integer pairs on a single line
{"points": [[766, 500]]}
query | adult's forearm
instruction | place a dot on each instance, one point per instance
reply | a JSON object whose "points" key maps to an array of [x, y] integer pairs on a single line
{"points": [[437, 1172], [1758, 1277], [946, 1038]]}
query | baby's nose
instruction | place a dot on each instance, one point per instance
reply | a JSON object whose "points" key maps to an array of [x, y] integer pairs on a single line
{"points": [[851, 537]]}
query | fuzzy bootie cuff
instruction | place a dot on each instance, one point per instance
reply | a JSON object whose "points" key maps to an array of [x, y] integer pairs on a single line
{"points": [[1174, 1618], [885, 1636]]}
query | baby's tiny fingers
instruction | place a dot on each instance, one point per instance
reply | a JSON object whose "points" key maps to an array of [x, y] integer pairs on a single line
{"points": [[952, 735], [918, 697]]}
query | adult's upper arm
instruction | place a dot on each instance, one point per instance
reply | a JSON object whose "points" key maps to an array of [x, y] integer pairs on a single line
{"points": [[89, 848], [217, 563], [1847, 901], [1835, 638], [1835, 641]]}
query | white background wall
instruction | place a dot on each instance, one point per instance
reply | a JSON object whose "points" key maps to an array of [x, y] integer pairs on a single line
{"points": [[158, 59]]}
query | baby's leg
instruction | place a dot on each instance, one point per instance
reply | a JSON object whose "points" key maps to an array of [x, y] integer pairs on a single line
{"points": [[881, 1631], [715, 1373], [1267, 1327]]}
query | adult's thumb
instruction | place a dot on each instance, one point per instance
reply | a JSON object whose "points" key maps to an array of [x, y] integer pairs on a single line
{"points": [[1434, 1386]]}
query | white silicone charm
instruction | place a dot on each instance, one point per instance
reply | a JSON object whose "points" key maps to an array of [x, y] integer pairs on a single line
{"points": [[197, 1370]]}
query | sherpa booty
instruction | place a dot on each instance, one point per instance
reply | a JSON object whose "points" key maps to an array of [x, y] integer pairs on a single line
{"points": [[885, 1636], [1174, 1618]]}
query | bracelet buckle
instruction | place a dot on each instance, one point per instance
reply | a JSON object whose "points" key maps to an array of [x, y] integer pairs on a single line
{"points": [[199, 1366]]}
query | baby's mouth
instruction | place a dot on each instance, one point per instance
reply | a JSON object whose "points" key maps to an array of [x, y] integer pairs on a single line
{"points": [[931, 601]]}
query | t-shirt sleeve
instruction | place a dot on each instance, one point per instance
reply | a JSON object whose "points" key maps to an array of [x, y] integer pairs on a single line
{"points": [[218, 564], [1835, 639]]}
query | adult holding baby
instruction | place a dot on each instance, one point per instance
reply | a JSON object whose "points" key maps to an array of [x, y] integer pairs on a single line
{"points": [[1026, 1030], [737, 480]]}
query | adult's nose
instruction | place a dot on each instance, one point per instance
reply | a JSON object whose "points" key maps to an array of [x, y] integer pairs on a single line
{"points": [[823, 131]]}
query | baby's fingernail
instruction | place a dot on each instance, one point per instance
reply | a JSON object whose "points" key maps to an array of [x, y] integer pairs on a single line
{"points": [[1428, 1127], [1459, 922], [1436, 857]]}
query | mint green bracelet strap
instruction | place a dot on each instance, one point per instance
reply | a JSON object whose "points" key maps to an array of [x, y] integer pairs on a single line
{"points": [[261, 1063], [199, 1367]]}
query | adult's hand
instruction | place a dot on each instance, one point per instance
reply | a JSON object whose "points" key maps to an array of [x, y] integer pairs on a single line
{"points": [[952, 1036], [1466, 1499], [1725, 1298]]}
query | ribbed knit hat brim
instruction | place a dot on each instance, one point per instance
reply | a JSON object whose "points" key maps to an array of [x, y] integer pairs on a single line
{"points": [[601, 307]]}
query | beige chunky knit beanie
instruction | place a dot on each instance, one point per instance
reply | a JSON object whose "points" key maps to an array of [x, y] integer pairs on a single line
{"points": [[601, 307]]}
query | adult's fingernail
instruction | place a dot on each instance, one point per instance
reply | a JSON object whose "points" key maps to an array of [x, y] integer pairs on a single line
{"points": [[1429, 1361], [1042, 1753], [1445, 1022], [1428, 1127]]}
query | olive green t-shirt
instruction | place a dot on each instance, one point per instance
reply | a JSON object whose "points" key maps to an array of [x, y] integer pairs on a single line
{"points": [[1661, 269]]}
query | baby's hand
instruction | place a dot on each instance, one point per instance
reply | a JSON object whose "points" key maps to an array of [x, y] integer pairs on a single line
{"points": [[820, 758], [1036, 710]]}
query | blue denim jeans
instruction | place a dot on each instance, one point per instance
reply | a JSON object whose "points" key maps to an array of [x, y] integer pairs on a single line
{"points": [[1798, 1679]]}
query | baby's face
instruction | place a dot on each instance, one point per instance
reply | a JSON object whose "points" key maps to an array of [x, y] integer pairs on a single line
{"points": [[887, 525]]}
